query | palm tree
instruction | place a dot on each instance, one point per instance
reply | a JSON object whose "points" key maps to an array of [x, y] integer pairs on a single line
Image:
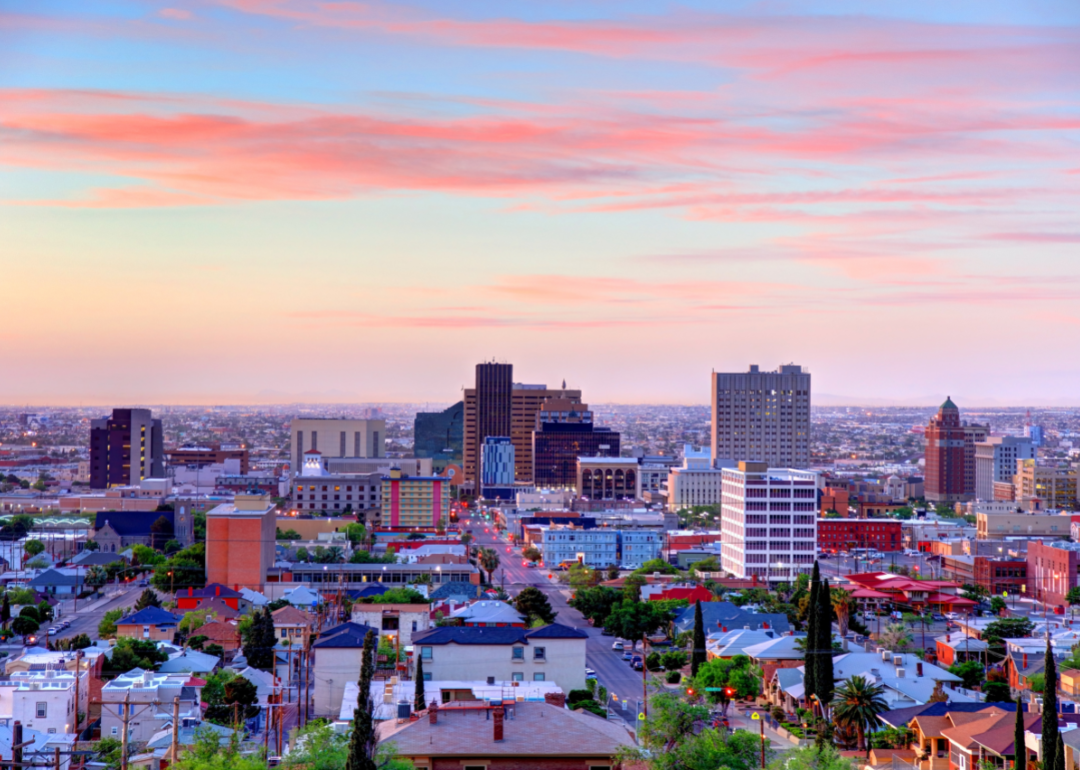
{"points": [[841, 604], [466, 538], [489, 561], [894, 637], [857, 704], [96, 577], [335, 554]]}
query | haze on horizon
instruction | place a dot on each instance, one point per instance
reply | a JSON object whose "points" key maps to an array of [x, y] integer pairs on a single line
{"points": [[281, 201]]}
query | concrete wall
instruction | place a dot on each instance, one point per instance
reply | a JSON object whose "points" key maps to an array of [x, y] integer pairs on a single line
{"points": [[564, 662]]}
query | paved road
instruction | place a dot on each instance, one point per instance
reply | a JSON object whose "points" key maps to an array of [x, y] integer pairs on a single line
{"points": [[88, 615], [612, 671]]}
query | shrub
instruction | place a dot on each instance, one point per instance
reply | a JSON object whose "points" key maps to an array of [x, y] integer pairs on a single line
{"points": [[653, 661], [674, 660], [577, 696], [674, 677]]}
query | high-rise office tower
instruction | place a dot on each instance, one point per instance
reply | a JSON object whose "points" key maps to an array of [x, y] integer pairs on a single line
{"points": [[564, 432], [439, 435], [524, 403], [995, 460], [497, 468], [336, 437], [950, 455], [762, 417], [125, 449]]}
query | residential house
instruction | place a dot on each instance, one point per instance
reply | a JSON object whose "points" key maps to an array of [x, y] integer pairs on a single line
{"points": [[43, 700], [387, 694], [39, 748], [1021, 665], [64, 582], [491, 613], [521, 736], [219, 609], [399, 622], [929, 721], [293, 626], [906, 680], [160, 744], [551, 653], [194, 598], [114, 531], [149, 703], [227, 635], [725, 616], [337, 656], [461, 590], [780, 652], [301, 596], [190, 662], [728, 644], [151, 623], [977, 741], [957, 648], [934, 595]]}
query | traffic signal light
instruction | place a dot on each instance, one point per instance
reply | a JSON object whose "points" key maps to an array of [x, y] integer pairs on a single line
{"points": [[728, 692], [690, 691]]}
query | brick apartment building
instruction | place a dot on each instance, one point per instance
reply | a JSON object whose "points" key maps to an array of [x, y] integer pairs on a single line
{"points": [[1052, 570], [843, 534]]}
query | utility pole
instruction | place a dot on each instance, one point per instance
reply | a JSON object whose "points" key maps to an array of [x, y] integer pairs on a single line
{"points": [[78, 675], [175, 729], [56, 758], [761, 722], [124, 731], [644, 675]]}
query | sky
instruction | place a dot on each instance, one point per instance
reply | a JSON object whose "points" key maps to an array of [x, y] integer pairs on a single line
{"points": [[262, 201]]}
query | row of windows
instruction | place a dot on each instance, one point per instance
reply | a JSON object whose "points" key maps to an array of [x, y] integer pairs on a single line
{"points": [[517, 653]]}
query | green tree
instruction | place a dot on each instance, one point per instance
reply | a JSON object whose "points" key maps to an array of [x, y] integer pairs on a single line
{"points": [[997, 692], [91, 546], [488, 560], [24, 626], [1019, 748], [147, 599], [972, 672], [146, 556], [161, 532], [1037, 682], [858, 704], [292, 534], [96, 577], [737, 674], [402, 595], [634, 620], [824, 757], [673, 660], [262, 640], [33, 547], [595, 603], [363, 740], [997, 605], [812, 622], [823, 673], [211, 751], [974, 591], [632, 584], [671, 739], [419, 703], [534, 605], [1006, 628], [107, 626], [653, 566], [698, 654], [1049, 708], [134, 653], [108, 751]]}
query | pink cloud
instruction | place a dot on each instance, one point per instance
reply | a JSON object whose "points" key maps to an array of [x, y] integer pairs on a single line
{"points": [[175, 13]]}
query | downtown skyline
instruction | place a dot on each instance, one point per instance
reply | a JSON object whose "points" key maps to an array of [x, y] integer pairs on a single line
{"points": [[275, 201]]}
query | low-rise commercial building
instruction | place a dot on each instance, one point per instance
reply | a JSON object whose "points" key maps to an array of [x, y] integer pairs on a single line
{"points": [[998, 525], [844, 534], [552, 653], [696, 482], [398, 623], [144, 691]]}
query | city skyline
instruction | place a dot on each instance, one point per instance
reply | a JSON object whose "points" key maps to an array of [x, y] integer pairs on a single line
{"points": [[279, 201]]}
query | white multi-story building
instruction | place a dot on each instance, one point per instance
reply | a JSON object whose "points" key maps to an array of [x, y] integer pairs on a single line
{"points": [[995, 460], [149, 703], [762, 416], [768, 521], [696, 482], [43, 700]]}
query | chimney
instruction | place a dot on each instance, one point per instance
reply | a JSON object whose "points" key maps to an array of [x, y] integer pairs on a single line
{"points": [[497, 713], [765, 624], [724, 629], [217, 590], [433, 712], [1025, 660], [556, 699], [918, 668]]}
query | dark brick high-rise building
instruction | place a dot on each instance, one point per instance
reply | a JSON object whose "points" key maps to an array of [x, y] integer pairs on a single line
{"points": [[125, 449], [490, 413], [950, 455]]}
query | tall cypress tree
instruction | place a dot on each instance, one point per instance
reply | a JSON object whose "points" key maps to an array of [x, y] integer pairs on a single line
{"points": [[5, 611], [362, 742], [697, 655], [418, 698], [1050, 715], [1059, 755], [809, 658], [1019, 748], [823, 671]]}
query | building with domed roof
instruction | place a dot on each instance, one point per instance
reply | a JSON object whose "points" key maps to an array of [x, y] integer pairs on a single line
{"points": [[950, 455]]}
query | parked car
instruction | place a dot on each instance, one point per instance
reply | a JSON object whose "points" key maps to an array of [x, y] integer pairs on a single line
{"points": [[627, 655], [636, 663], [590, 673], [618, 644], [823, 555], [936, 616], [605, 632], [530, 564]]}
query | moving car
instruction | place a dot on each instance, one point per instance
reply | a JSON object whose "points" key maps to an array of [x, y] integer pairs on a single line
{"points": [[530, 564], [617, 644], [636, 663], [627, 655], [590, 674]]}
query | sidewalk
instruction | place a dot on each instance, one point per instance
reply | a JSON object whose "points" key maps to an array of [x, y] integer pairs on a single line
{"points": [[739, 721]]}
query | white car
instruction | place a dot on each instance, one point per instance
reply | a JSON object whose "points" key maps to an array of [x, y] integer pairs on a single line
{"points": [[618, 644]]}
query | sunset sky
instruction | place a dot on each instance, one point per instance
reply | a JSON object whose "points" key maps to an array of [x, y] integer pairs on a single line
{"points": [[241, 201]]}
